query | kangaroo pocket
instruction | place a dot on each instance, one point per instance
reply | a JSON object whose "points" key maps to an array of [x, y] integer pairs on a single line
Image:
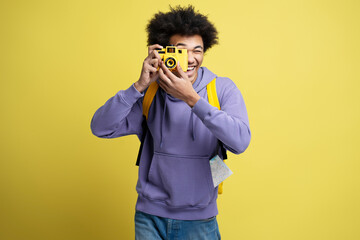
{"points": [[180, 181]]}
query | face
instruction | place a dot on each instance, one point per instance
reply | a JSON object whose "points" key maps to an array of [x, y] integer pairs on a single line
{"points": [[195, 48]]}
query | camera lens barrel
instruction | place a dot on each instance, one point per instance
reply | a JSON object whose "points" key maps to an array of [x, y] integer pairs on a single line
{"points": [[170, 62]]}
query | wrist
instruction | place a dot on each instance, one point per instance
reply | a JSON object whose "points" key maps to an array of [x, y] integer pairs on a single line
{"points": [[192, 99], [140, 87]]}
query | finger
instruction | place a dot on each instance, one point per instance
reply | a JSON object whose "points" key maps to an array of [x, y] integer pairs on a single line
{"points": [[167, 72], [151, 62], [150, 56], [152, 69], [149, 69], [181, 71], [163, 86], [153, 55], [152, 47], [157, 55], [164, 78], [154, 63]]}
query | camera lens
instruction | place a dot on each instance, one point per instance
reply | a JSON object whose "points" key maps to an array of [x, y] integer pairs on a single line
{"points": [[170, 62]]}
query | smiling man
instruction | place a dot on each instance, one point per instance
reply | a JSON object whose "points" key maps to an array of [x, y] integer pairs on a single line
{"points": [[181, 132]]}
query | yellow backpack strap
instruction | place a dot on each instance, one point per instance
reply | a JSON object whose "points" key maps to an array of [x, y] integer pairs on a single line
{"points": [[212, 94], [148, 98], [214, 101]]}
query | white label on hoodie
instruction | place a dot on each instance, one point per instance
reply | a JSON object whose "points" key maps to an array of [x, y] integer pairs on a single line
{"points": [[219, 170]]}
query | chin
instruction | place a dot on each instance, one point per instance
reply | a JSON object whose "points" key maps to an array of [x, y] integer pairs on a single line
{"points": [[192, 75]]}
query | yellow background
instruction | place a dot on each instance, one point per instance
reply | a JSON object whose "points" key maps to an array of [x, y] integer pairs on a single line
{"points": [[295, 62]]}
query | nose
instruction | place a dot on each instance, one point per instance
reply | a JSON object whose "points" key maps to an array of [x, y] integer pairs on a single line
{"points": [[191, 58]]}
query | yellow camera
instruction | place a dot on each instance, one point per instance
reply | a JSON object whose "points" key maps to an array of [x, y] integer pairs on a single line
{"points": [[171, 55]]}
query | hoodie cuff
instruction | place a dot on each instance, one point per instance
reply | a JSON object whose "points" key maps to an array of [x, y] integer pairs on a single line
{"points": [[131, 95], [202, 108]]}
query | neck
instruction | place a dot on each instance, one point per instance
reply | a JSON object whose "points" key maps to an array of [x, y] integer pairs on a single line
{"points": [[194, 80]]}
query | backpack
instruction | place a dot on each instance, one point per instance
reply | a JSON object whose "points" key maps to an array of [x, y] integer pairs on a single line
{"points": [[148, 98]]}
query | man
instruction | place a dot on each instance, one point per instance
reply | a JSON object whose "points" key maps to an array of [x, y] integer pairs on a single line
{"points": [[176, 195]]}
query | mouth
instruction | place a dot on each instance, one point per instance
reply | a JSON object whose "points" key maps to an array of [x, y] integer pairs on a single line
{"points": [[191, 72], [191, 68]]}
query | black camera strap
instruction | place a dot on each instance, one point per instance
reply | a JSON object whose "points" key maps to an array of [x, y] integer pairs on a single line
{"points": [[221, 149], [145, 130]]}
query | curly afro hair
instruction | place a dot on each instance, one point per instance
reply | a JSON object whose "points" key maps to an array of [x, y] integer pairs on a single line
{"points": [[184, 21]]}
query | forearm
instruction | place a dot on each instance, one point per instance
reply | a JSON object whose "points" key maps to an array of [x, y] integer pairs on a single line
{"points": [[231, 129], [119, 116]]}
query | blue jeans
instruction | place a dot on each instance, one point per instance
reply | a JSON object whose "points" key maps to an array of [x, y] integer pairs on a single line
{"points": [[150, 227]]}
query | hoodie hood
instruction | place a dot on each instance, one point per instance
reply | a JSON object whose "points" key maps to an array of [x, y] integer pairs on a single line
{"points": [[204, 77]]}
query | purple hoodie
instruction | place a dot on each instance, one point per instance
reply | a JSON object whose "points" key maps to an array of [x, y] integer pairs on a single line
{"points": [[174, 172]]}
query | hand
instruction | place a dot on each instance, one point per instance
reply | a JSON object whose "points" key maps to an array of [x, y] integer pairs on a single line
{"points": [[179, 85], [149, 72]]}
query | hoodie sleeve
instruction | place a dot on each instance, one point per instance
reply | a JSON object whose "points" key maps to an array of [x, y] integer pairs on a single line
{"points": [[230, 124], [121, 115]]}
